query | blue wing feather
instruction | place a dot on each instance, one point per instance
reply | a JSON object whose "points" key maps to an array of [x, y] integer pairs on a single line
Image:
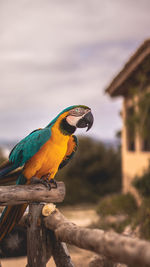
{"points": [[29, 146]]}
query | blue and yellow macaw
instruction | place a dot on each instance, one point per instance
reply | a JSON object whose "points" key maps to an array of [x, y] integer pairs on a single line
{"points": [[41, 154]]}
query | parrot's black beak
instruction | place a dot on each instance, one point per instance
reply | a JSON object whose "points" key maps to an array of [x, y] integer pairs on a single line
{"points": [[86, 121]]}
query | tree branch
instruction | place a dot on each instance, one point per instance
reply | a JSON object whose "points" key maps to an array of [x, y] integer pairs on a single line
{"points": [[118, 248], [19, 194], [38, 249], [60, 252]]}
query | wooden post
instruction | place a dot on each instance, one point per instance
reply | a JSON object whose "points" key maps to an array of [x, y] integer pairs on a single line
{"points": [[60, 252], [59, 249], [37, 251], [42, 243]]}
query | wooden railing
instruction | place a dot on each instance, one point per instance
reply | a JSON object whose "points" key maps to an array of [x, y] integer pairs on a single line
{"points": [[48, 231]]}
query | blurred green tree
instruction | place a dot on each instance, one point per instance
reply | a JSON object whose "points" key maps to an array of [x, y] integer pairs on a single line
{"points": [[142, 183], [142, 219]]}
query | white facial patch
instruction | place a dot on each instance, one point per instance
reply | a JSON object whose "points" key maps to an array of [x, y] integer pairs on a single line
{"points": [[72, 120]]}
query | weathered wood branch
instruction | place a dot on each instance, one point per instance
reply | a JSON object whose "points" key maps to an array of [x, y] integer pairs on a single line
{"points": [[60, 252], [118, 248], [42, 243], [19, 194], [39, 250], [59, 249]]}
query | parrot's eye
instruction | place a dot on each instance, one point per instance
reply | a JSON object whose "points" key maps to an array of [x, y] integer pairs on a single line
{"points": [[78, 111]]}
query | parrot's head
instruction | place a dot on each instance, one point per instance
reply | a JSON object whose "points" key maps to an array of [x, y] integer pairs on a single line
{"points": [[80, 117], [72, 118]]}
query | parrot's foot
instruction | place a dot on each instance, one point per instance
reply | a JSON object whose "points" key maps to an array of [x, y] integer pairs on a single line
{"points": [[44, 180], [53, 181], [50, 183]]}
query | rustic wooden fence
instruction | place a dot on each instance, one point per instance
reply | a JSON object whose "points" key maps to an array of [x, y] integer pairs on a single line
{"points": [[48, 231]]}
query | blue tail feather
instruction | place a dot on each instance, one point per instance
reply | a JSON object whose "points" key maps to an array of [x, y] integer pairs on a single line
{"points": [[6, 169]]}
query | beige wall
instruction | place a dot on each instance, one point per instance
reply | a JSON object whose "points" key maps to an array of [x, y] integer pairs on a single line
{"points": [[133, 162]]}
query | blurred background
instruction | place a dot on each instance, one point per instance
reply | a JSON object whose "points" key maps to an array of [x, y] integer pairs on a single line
{"points": [[57, 53], [54, 54]]}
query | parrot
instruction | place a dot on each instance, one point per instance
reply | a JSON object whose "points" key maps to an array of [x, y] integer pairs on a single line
{"points": [[41, 154]]}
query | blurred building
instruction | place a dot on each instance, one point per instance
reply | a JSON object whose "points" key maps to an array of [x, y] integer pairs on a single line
{"points": [[133, 84]]}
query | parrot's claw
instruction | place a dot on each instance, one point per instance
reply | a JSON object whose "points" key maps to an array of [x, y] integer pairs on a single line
{"points": [[53, 181], [49, 183], [43, 180], [46, 182]]}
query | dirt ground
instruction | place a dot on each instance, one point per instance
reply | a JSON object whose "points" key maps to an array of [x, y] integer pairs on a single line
{"points": [[82, 216], [79, 257]]}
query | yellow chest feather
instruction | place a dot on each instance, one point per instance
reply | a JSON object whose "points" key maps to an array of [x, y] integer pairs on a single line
{"points": [[49, 157]]}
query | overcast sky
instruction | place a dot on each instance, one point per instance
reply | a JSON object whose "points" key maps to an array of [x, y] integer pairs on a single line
{"points": [[54, 54]]}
